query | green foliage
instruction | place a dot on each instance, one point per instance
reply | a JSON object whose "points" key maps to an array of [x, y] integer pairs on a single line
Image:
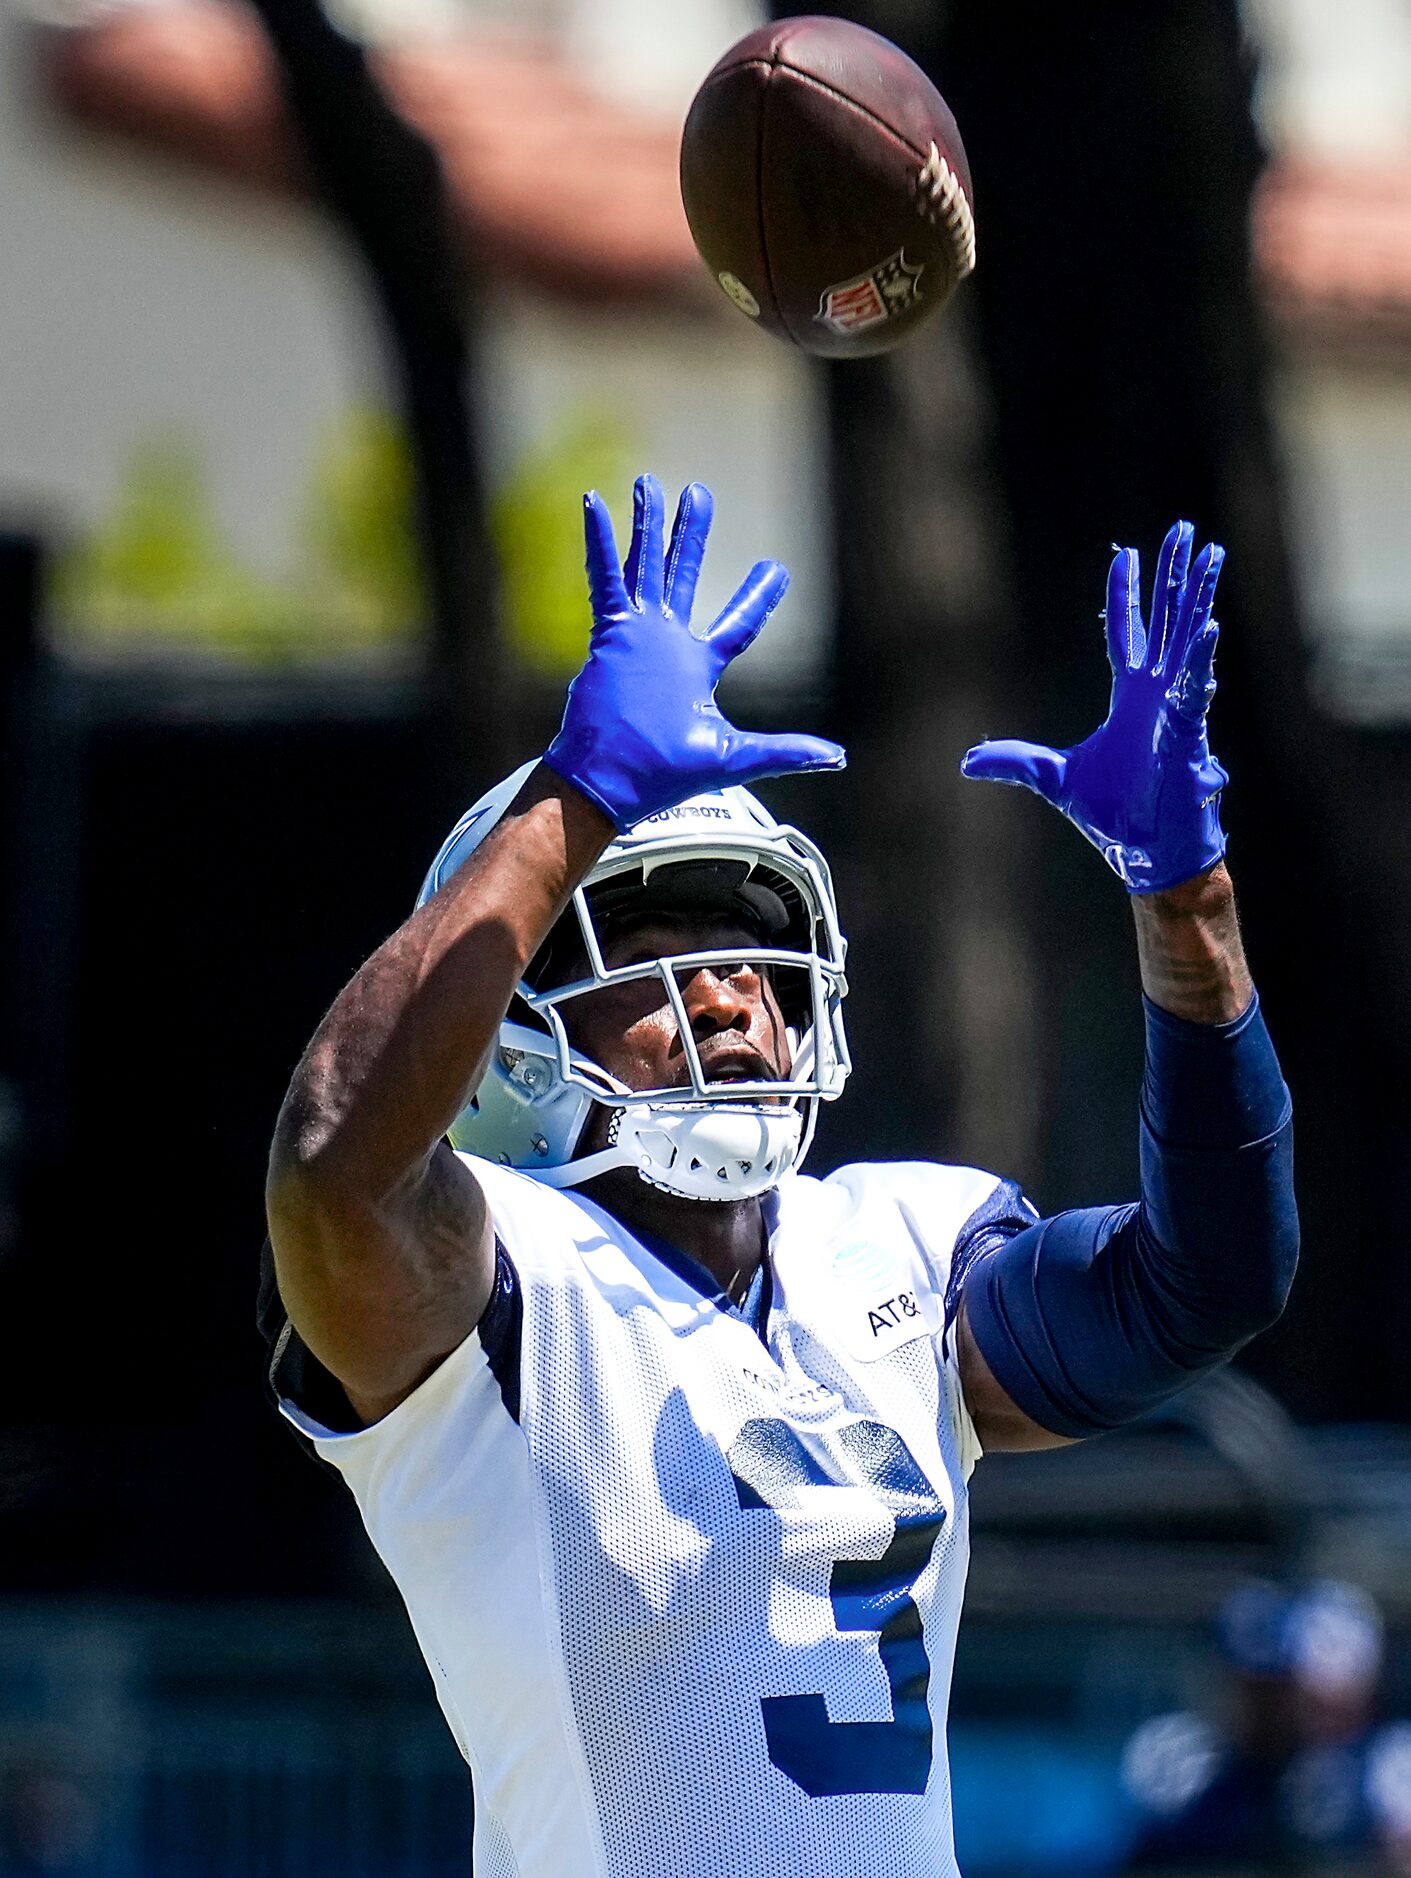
{"points": [[359, 526], [158, 571], [537, 523]]}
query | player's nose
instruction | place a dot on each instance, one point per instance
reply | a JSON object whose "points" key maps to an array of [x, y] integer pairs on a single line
{"points": [[716, 1003]]}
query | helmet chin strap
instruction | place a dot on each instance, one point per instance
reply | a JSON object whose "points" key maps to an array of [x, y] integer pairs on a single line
{"points": [[706, 1151]]}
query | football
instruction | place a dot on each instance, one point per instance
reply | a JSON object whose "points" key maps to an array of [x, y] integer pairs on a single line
{"points": [[826, 186]]}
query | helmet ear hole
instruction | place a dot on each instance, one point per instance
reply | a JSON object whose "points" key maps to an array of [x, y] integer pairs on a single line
{"points": [[523, 1013]]}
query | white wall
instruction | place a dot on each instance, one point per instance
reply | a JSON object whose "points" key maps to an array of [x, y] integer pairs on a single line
{"points": [[137, 298], [1347, 438], [1337, 74], [1337, 86], [133, 299]]}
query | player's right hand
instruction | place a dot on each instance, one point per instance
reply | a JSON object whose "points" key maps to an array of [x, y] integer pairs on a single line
{"points": [[641, 730]]}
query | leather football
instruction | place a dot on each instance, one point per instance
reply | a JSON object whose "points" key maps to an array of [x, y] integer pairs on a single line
{"points": [[826, 186]]}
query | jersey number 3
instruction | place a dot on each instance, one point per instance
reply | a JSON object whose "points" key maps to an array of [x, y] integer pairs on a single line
{"points": [[826, 1758]]}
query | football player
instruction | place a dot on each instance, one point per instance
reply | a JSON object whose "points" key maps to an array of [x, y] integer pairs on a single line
{"points": [[665, 1442]]}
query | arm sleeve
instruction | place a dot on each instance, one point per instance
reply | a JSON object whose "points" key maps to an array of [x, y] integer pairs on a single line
{"points": [[1092, 1317]]}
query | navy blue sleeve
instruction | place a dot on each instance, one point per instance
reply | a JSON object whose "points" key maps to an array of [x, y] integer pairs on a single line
{"points": [[1092, 1317], [501, 1329], [1008, 1212]]}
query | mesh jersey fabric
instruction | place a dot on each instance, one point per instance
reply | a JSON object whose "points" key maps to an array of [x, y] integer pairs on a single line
{"points": [[693, 1613]]}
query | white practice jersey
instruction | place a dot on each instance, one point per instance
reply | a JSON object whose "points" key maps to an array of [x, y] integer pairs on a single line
{"points": [[689, 1588]]}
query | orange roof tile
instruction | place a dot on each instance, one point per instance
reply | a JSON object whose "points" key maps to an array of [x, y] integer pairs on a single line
{"points": [[1332, 243]]}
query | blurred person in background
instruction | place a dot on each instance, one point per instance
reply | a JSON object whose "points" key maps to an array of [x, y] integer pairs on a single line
{"points": [[1297, 1771], [47, 1817]]}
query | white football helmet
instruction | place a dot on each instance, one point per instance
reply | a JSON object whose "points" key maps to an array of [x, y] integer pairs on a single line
{"points": [[712, 1140]]}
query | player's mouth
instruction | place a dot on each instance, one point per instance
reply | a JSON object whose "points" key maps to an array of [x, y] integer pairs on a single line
{"points": [[735, 1065]]}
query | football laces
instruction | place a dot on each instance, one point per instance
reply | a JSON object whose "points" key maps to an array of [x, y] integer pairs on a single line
{"points": [[941, 199]]}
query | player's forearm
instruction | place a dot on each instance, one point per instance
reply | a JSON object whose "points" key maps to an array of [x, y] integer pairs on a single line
{"points": [[1188, 943], [1097, 1315], [406, 1042]]}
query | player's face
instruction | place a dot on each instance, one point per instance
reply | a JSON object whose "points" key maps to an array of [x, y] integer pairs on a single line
{"points": [[631, 1029]]}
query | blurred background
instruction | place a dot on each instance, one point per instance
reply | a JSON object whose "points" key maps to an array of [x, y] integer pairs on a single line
{"points": [[314, 326]]}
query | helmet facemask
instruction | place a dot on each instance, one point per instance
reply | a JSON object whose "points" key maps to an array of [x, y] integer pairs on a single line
{"points": [[720, 855], [703, 1136]]}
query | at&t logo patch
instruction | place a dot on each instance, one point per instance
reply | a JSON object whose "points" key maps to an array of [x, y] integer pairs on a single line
{"points": [[893, 1311], [866, 1267], [875, 1304]]}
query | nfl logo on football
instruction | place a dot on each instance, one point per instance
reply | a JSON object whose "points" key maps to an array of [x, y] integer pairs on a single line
{"points": [[884, 291]]}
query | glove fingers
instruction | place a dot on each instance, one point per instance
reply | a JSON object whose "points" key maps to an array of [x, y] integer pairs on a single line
{"points": [[1195, 607], [643, 568], [606, 588], [1195, 682], [1126, 636], [688, 542], [1172, 566], [1205, 577], [1027, 765], [743, 619], [752, 755]]}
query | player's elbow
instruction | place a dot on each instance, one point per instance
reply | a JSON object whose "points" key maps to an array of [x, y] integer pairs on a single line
{"points": [[1263, 1255], [1269, 1274], [1255, 1269], [1218, 1240]]}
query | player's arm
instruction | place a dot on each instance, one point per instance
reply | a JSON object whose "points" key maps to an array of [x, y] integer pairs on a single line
{"points": [[382, 1239], [1079, 1323]]}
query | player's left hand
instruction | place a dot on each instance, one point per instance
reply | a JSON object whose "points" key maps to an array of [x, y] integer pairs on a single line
{"points": [[1144, 787]]}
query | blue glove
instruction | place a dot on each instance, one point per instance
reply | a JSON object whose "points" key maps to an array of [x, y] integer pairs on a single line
{"points": [[1144, 787], [641, 729]]}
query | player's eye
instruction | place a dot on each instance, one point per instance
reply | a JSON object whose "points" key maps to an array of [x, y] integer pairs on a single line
{"points": [[742, 975], [747, 973]]}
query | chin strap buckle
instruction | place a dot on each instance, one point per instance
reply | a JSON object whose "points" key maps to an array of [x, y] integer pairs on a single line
{"points": [[712, 1151]]}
